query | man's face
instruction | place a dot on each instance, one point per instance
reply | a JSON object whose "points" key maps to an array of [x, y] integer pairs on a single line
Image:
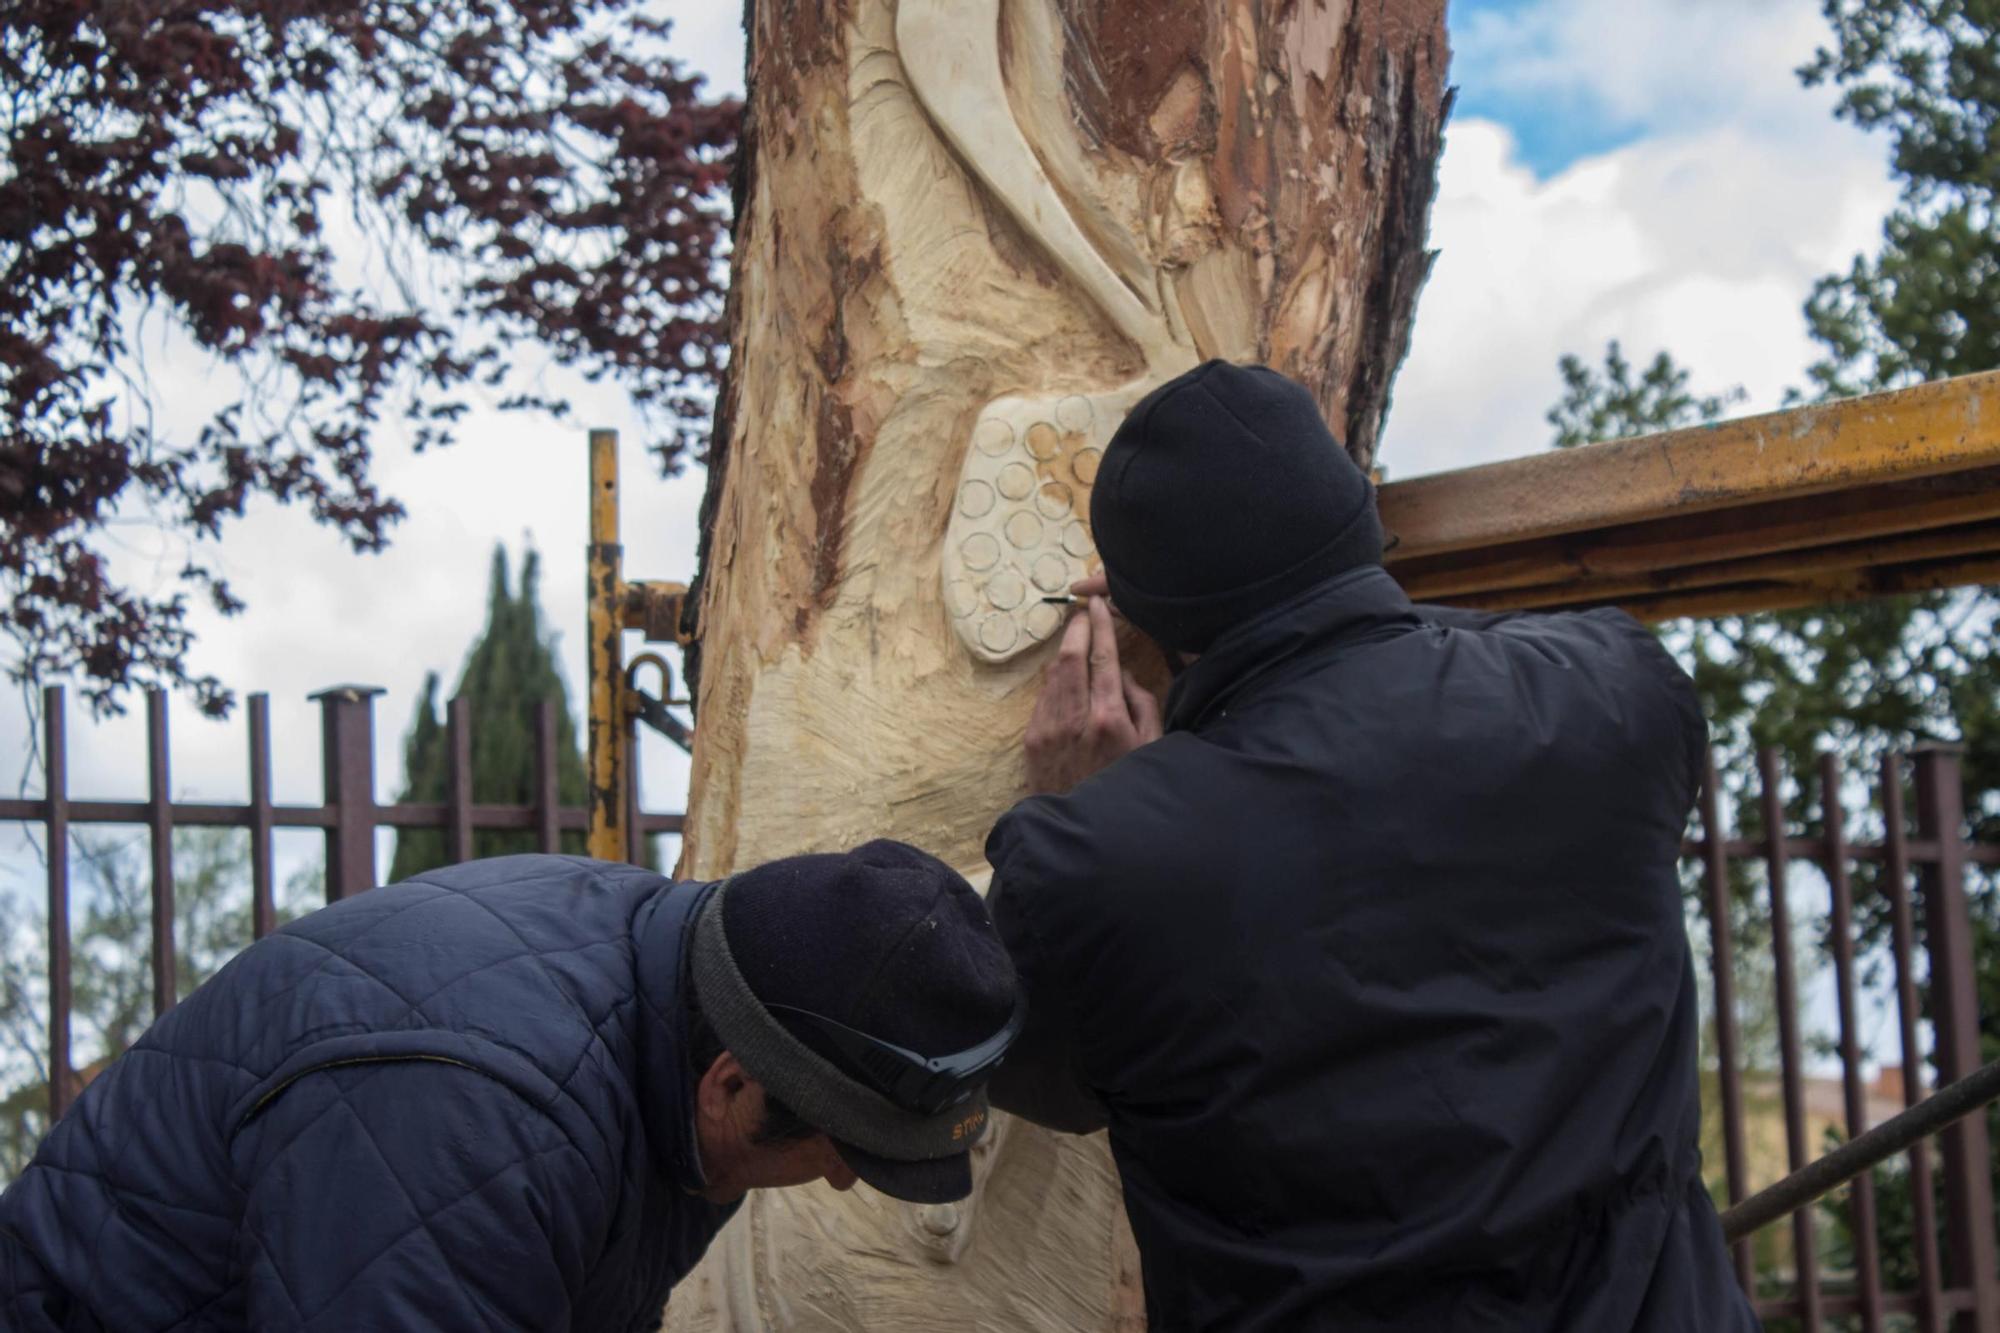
{"points": [[737, 1156]]}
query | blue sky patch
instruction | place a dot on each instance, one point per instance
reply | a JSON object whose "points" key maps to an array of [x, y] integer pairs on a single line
{"points": [[1554, 127]]}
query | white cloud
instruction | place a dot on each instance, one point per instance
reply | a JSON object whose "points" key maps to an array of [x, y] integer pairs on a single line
{"points": [[1660, 65], [1704, 244], [708, 38], [321, 616], [1702, 239]]}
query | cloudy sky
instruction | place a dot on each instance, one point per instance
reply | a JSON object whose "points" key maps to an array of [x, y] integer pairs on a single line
{"points": [[1649, 171]]}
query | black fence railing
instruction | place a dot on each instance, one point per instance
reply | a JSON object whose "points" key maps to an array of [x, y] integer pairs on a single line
{"points": [[1957, 1284], [1921, 869], [348, 815]]}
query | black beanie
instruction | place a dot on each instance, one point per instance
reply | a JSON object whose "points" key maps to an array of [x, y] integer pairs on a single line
{"points": [[886, 940], [1221, 495]]}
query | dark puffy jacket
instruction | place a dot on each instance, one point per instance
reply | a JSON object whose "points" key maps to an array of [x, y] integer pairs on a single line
{"points": [[455, 1103], [1375, 968]]}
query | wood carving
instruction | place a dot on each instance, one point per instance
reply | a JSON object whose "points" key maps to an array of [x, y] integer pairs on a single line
{"points": [[971, 233]]}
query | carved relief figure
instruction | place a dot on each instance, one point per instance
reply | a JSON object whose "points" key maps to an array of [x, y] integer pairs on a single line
{"points": [[971, 233]]}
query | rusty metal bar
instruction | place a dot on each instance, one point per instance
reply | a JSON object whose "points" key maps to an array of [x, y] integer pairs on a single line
{"points": [[160, 835], [1867, 1247], [347, 726], [635, 836], [1893, 493], [185, 813], [425, 815], [1680, 541], [608, 748], [1970, 1248], [263, 896], [1722, 967], [1856, 566], [1797, 1151], [1902, 937], [458, 781], [548, 791], [1950, 1105], [659, 611], [55, 818], [1948, 426], [1847, 585]]}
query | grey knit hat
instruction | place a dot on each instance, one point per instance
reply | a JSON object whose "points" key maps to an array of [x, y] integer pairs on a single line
{"points": [[850, 986]]}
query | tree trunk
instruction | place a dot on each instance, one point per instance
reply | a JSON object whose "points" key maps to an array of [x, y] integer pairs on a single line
{"points": [[971, 233]]}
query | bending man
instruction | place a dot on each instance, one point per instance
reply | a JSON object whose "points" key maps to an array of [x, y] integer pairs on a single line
{"points": [[517, 1094]]}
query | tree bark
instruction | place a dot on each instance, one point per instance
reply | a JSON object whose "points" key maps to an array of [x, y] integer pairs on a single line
{"points": [[971, 233]]}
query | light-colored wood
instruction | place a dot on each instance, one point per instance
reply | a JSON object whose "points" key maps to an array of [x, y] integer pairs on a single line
{"points": [[968, 210]]}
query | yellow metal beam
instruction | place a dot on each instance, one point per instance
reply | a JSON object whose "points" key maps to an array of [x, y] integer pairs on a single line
{"points": [[610, 734], [1870, 496]]}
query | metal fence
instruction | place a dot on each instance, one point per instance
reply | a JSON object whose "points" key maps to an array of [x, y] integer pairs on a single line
{"points": [[1958, 1282], [348, 814], [1958, 1285]]}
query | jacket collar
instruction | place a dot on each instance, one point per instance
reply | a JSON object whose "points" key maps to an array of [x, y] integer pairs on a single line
{"points": [[662, 932], [1275, 645]]}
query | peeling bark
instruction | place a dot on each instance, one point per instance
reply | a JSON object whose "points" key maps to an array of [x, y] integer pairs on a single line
{"points": [[1149, 185]]}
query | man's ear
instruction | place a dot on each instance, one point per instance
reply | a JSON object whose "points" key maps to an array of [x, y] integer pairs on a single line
{"points": [[716, 1094]]}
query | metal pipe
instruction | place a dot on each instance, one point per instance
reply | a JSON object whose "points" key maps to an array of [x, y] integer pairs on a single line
{"points": [[1943, 1108], [1867, 1260], [1805, 1245], [1722, 970], [55, 791], [160, 835], [1902, 934]]}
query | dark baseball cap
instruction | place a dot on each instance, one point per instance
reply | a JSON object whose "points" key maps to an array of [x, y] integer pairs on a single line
{"points": [[869, 991]]}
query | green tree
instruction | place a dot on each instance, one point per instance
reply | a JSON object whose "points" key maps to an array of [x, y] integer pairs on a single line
{"points": [[1926, 73], [1613, 405], [111, 981], [510, 669], [1867, 678]]}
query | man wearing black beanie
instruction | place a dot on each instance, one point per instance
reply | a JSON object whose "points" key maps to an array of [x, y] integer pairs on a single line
{"points": [[516, 1094], [1378, 1047]]}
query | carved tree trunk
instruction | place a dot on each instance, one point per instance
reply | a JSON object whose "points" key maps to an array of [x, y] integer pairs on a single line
{"points": [[971, 234]]}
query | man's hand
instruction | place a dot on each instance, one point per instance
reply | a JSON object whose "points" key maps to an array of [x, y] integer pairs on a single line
{"points": [[1090, 712]]}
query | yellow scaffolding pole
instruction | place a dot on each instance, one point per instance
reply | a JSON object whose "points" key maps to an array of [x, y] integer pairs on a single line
{"points": [[610, 734], [1895, 492], [614, 606]]}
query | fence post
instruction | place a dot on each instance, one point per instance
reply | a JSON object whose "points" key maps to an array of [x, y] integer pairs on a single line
{"points": [[1867, 1259], [458, 781], [1970, 1248], [1791, 1072], [160, 839], [263, 897], [1722, 970], [347, 739], [55, 790]]}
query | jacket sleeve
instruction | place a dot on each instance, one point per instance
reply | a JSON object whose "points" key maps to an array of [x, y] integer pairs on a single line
{"points": [[1040, 1079], [415, 1195]]}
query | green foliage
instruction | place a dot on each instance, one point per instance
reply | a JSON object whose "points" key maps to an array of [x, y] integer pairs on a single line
{"points": [[509, 671], [1864, 679], [111, 982], [1613, 406], [1927, 74]]}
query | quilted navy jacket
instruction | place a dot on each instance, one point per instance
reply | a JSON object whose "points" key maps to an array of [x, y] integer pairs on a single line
{"points": [[459, 1102], [1375, 968]]}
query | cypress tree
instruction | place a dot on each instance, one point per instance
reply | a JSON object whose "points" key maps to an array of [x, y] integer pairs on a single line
{"points": [[509, 670]]}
